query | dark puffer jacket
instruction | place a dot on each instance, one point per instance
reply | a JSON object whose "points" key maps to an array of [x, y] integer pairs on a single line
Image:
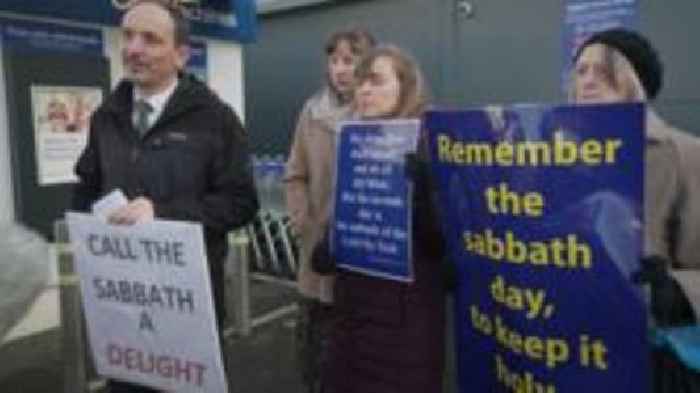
{"points": [[193, 164]]}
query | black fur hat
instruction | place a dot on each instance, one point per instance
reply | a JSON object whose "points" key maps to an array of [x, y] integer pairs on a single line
{"points": [[639, 53]]}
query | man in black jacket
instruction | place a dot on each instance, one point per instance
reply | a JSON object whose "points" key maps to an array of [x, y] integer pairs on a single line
{"points": [[168, 142]]}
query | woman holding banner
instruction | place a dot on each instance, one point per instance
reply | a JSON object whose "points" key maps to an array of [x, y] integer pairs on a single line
{"points": [[308, 181], [388, 336], [621, 66]]}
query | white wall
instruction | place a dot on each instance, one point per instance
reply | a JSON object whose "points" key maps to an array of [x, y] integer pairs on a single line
{"points": [[225, 67], [7, 205], [110, 37]]}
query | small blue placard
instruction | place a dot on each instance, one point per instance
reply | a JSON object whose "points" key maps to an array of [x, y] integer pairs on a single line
{"points": [[372, 217]]}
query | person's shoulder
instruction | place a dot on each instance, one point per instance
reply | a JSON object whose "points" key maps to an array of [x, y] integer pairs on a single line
{"points": [[316, 98], [325, 103], [197, 91], [117, 99], [660, 131], [685, 142], [199, 97], [310, 103], [683, 137], [687, 147]]}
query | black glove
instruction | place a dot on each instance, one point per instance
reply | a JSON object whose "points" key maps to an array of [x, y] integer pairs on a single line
{"points": [[449, 275], [416, 168], [669, 304], [322, 262]]}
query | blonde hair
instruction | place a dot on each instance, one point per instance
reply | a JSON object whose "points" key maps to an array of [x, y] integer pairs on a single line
{"points": [[413, 96], [621, 75]]}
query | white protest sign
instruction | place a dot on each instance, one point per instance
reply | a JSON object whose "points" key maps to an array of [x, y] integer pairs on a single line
{"points": [[148, 304]]}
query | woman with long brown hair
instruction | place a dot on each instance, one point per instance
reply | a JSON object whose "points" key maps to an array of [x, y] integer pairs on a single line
{"points": [[388, 336]]}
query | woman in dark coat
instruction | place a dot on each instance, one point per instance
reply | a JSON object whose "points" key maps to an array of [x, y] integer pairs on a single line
{"points": [[388, 336]]}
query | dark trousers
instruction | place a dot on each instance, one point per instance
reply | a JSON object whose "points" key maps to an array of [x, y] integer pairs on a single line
{"points": [[671, 375], [313, 329]]}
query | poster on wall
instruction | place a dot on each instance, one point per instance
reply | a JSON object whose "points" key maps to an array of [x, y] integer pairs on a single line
{"points": [[61, 118], [582, 18]]}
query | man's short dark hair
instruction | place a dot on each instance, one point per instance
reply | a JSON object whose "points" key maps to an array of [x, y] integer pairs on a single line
{"points": [[181, 25]]}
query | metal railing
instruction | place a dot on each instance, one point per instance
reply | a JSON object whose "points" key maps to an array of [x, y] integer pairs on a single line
{"points": [[77, 376]]}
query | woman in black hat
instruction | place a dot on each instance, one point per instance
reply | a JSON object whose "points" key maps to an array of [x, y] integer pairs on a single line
{"points": [[308, 187], [621, 66]]}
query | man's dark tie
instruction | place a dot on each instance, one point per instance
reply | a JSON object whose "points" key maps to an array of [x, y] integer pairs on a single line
{"points": [[142, 110]]}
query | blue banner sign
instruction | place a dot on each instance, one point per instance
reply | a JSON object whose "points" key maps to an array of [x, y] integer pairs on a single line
{"points": [[372, 225], [27, 36], [585, 17], [542, 211], [233, 20]]}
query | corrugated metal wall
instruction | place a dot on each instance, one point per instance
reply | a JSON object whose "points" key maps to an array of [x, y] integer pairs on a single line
{"points": [[509, 51]]}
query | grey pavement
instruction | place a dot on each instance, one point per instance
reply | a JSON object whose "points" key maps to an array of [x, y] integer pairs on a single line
{"points": [[260, 363], [263, 362]]}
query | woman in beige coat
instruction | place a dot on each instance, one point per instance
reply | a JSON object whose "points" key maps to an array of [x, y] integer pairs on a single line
{"points": [[309, 182], [621, 66]]}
